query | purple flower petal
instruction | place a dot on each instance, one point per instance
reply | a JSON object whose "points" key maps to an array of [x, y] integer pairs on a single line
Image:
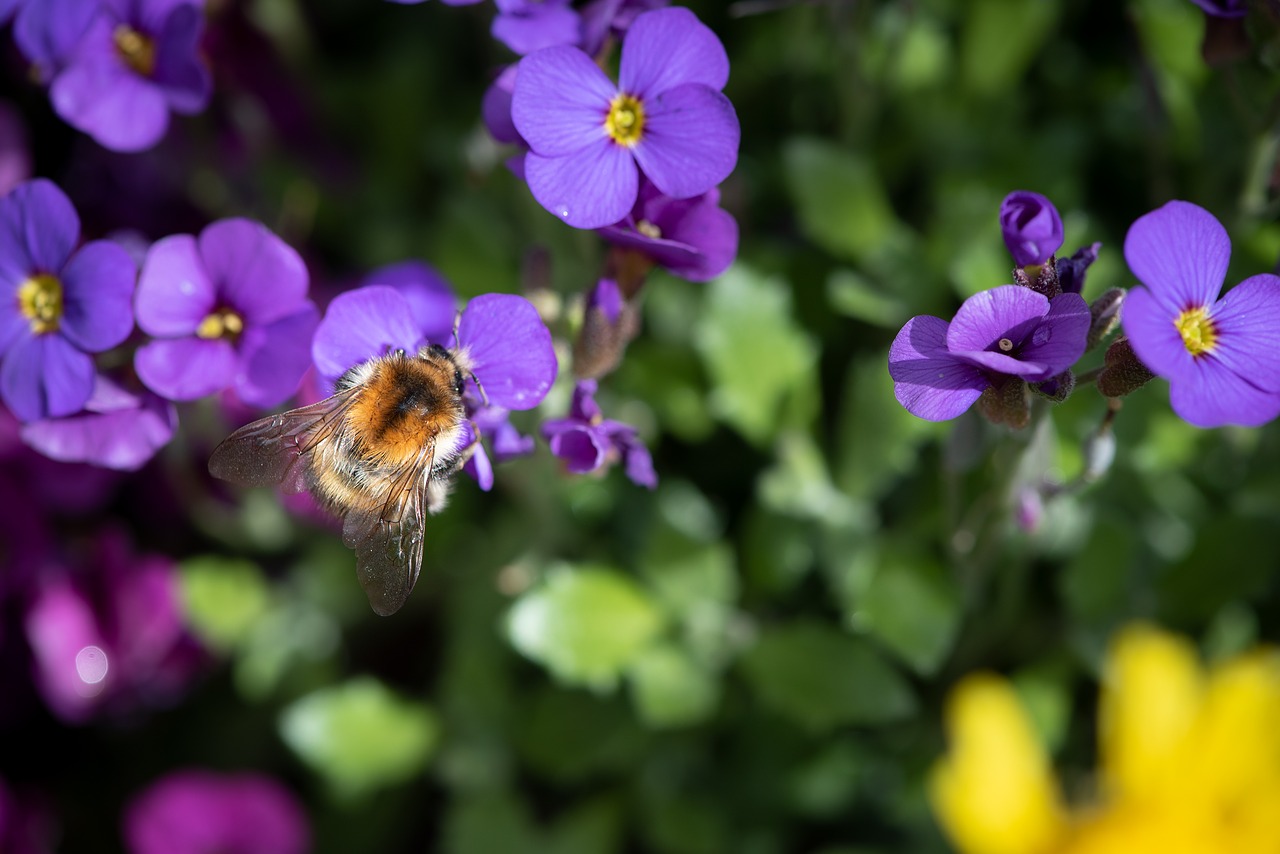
{"points": [[38, 229], [186, 368], [360, 325], [274, 356], [431, 298], [1060, 339], [667, 47], [45, 376], [253, 270], [116, 430], [13, 324], [1210, 394], [592, 188], [15, 149], [509, 350], [179, 71], [1001, 363], [1150, 329], [174, 291], [690, 139], [1247, 319], [537, 26], [105, 99], [495, 107], [478, 466], [927, 380], [709, 230], [560, 101], [98, 285], [582, 449], [1008, 311], [1031, 227], [48, 30], [1179, 251]]}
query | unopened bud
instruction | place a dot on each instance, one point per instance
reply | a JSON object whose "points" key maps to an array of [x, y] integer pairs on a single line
{"points": [[608, 325], [1071, 271], [1122, 372], [1005, 402], [1105, 314], [1041, 278], [1056, 389]]}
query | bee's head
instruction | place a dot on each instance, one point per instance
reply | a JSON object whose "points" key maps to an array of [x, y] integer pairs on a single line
{"points": [[437, 352]]}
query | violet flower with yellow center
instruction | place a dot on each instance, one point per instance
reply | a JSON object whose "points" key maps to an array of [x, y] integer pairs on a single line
{"points": [[1189, 760], [1220, 354]]}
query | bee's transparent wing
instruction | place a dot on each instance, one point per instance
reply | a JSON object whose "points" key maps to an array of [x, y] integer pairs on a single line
{"points": [[273, 450], [387, 537]]}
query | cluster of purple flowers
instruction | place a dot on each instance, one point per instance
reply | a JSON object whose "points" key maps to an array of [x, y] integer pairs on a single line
{"points": [[1220, 355]]}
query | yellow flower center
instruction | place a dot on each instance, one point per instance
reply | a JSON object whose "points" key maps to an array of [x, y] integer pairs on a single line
{"points": [[221, 323], [648, 229], [625, 120], [138, 51], [1199, 334], [40, 299]]}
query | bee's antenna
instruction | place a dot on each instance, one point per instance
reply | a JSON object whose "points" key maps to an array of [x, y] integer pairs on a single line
{"points": [[457, 321]]}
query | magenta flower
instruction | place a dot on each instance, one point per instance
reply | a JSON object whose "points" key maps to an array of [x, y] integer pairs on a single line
{"points": [[1221, 356], [119, 67], [940, 369], [228, 309], [666, 116], [202, 812], [694, 238], [117, 429], [60, 303], [1031, 227], [588, 442], [111, 635]]}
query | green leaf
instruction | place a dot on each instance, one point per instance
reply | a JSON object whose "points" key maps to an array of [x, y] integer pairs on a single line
{"points": [[759, 359], [224, 599], [489, 822], [670, 689], [853, 295], [822, 678], [1000, 39], [585, 625], [800, 485], [913, 607], [839, 199], [360, 736]]}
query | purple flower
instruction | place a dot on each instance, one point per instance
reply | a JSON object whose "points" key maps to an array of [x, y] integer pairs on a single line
{"points": [[604, 19], [1071, 271], [1221, 356], [502, 341], [119, 66], [60, 305], [1031, 227], [506, 441], [694, 238], [666, 115], [229, 309], [1224, 8], [432, 302], [117, 429], [939, 369], [587, 441], [529, 25], [495, 107], [200, 812], [111, 635]]}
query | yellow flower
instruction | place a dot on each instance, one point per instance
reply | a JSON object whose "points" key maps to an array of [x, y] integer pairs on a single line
{"points": [[1189, 760]]}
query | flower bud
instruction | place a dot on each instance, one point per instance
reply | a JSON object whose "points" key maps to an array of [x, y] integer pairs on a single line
{"points": [[1122, 372], [1105, 311], [1071, 270], [1031, 227], [1056, 389], [1005, 402], [608, 325]]}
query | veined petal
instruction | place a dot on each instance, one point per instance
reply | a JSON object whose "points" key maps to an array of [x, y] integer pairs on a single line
{"points": [[1179, 251], [174, 291], [186, 368], [1209, 394], [122, 435], [274, 356], [536, 27], [582, 448], [560, 101], [927, 380], [509, 350], [1060, 339], [1004, 364], [98, 285], [360, 325], [38, 229], [431, 298], [1151, 694], [1247, 320], [1149, 325], [690, 140], [45, 376], [1009, 311], [253, 270], [994, 792], [590, 189], [667, 47], [103, 98]]}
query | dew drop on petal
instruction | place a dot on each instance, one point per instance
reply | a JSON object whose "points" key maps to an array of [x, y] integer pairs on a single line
{"points": [[91, 667], [1041, 335], [562, 211]]}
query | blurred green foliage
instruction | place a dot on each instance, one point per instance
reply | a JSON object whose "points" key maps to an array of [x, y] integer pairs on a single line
{"points": [[753, 657]]}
